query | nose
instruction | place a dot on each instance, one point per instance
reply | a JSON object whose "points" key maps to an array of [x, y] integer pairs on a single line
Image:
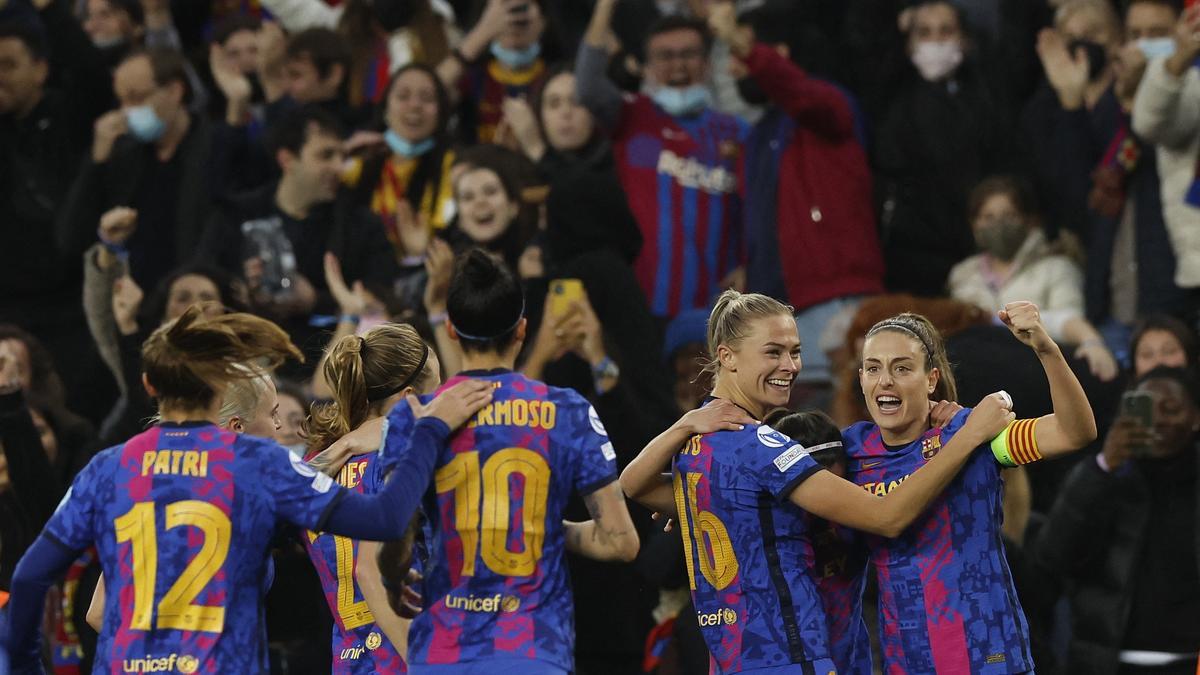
{"points": [[792, 364], [885, 379]]}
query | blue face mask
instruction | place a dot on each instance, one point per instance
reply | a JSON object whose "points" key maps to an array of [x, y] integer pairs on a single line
{"points": [[406, 148], [683, 101], [145, 124], [516, 59], [1155, 48]]}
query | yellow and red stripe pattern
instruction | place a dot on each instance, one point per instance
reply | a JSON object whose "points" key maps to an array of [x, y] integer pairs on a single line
{"points": [[1017, 444]]}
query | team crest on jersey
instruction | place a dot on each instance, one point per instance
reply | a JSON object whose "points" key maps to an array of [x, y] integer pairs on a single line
{"points": [[597, 425], [729, 150], [930, 446], [373, 641], [771, 438]]}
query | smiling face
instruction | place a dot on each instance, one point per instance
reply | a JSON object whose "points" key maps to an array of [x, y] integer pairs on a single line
{"points": [[676, 58], [485, 209], [266, 422], [897, 382], [763, 364], [412, 106], [1176, 419]]}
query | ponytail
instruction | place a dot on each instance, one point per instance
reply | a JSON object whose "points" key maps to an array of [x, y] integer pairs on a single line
{"points": [[363, 373], [188, 360], [729, 321]]}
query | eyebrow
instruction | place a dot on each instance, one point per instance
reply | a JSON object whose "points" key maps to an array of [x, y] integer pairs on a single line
{"points": [[872, 359], [780, 345]]}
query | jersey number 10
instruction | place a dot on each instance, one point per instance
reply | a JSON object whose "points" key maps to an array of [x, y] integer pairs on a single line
{"points": [[175, 610], [488, 489], [718, 563]]}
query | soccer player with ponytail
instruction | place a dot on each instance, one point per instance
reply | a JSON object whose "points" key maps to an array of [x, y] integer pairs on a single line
{"points": [[946, 596], [181, 514], [739, 490], [368, 376]]}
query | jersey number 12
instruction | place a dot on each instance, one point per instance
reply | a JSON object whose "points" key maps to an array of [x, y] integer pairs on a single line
{"points": [[175, 610]]}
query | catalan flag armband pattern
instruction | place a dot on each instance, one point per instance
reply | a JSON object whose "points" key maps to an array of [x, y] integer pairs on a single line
{"points": [[1017, 444]]}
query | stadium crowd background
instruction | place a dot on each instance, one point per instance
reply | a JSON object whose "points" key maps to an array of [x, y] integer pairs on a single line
{"points": [[320, 163]]}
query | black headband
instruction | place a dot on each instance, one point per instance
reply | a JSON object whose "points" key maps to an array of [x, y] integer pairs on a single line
{"points": [[381, 392]]}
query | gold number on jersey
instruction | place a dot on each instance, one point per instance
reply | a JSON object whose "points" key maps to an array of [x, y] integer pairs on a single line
{"points": [[175, 610], [488, 490], [352, 614], [717, 561]]}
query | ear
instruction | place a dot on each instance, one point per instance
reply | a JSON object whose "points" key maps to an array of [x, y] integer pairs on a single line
{"points": [[284, 158], [727, 358], [150, 390], [337, 73], [177, 92], [514, 208], [932, 380], [235, 425], [521, 326], [784, 50], [41, 70], [451, 332]]}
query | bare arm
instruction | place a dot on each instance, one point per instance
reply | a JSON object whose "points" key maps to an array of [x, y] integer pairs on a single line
{"points": [[1072, 424], [841, 501], [644, 480], [490, 24], [95, 610], [366, 573], [610, 534]]}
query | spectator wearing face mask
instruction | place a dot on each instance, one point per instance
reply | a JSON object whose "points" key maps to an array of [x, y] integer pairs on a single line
{"points": [[810, 227], [1166, 112], [1103, 175], [1015, 261], [150, 156], [384, 35], [1124, 531], [946, 129], [680, 162], [505, 55]]}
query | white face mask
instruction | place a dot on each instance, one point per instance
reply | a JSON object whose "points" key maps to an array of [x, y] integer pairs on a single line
{"points": [[936, 60]]}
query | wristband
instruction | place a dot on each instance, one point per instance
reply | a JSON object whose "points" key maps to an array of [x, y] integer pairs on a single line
{"points": [[1017, 444], [412, 261], [438, 319], [348, 318], [119, 250]]}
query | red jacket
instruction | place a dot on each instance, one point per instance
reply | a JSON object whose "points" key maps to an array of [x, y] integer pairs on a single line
{"points": [[810, 218]]}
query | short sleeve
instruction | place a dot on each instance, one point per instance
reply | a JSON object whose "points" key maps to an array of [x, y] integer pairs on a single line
{"points": [[74, 521], [302, 495], [776, 463], [583, 432]]}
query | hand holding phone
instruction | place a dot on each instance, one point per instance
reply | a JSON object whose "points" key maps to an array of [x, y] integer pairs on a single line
{"points": [[563, 293], [1138, 406]]}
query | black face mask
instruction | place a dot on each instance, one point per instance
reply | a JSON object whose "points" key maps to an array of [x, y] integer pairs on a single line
{"points": [[750, 92], [394, 14], [1097, 56]]}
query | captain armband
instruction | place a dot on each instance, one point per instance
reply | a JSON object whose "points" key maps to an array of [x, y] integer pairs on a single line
{"points": [[1017, 444]]}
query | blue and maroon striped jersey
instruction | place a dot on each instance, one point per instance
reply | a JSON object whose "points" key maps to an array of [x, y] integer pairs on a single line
{"points": [[182, 517], [682, 177], [496, 585], [746, 546], [946, 597], [359, 646]]}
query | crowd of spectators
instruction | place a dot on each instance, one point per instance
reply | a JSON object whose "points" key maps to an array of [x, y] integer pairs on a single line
{"points": [[321, 162]]}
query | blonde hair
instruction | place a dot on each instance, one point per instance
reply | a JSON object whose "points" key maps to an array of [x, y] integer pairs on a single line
{"points": [[730, 319], [188, 360], [242, 397], [921, 329], [363, 372]]}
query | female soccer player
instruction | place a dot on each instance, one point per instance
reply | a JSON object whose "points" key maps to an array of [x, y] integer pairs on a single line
{"points": [[496, 594], [368, 375], [182, 513], [946, 596], [735, 495]]}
